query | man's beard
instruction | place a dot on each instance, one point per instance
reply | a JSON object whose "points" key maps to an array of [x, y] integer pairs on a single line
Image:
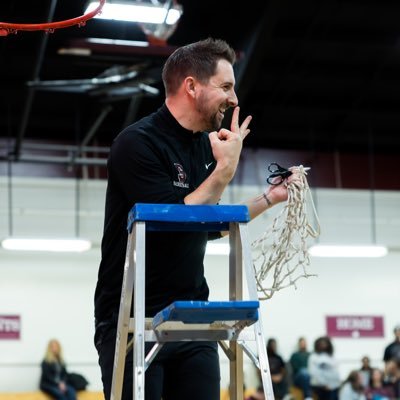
{"points": [[211, 120], [214, 123]]}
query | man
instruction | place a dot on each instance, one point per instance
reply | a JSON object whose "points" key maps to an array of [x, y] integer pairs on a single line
{"points": [[299, 364], [392, 351], [168, 158]]}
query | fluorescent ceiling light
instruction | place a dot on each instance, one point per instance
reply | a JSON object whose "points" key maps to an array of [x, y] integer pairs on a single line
{"points": [[53, 245], [135, 13], [217, 249], [347, 251]]}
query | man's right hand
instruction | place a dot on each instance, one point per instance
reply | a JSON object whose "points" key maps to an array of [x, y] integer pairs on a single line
{"points": [[226, 147], [227, 144]]}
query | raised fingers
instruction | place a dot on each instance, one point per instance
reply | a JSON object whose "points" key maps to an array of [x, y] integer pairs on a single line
{"points": [[235, 120], [242, 130]]}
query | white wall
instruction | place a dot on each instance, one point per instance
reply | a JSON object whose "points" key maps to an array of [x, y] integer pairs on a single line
{"points": [[53, 294]]}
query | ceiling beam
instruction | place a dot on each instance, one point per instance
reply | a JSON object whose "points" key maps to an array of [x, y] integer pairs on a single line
{"points": [[31, 91]]}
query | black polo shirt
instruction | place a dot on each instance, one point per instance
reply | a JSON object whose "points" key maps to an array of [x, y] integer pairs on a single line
{"points": [[154, 160]]}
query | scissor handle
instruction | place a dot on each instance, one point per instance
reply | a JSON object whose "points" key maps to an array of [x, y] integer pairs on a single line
{"points": [[274, 167], [279, 171]]}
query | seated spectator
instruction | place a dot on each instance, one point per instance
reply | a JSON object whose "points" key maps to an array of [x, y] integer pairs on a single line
{"points": [[352, 388], [278, 375], [392, 376], [377, 390], [53, 380], [365, 371], [257, 395], [299, 364], [277, 369], [396, 380], [323, 370]]}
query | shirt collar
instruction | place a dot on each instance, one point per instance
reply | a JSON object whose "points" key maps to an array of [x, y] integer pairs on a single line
{"points": [[173, 127]]}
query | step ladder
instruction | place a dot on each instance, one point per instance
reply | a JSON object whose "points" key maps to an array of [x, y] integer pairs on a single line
{"points": [[236, 321]]}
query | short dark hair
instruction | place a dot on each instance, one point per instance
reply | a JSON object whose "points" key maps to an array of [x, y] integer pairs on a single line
{"points": [[197, 59]]}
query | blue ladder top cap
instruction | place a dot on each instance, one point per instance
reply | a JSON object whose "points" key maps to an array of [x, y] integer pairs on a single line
{"points": [[181, 217]]}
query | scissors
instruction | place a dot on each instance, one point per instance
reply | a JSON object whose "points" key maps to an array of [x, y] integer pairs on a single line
{"points": [[277, 171]]}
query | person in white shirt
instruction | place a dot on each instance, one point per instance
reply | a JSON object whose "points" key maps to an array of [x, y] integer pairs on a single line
{"points": [[323, 369]]}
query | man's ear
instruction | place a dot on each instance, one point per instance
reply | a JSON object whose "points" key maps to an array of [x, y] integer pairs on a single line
{"points": [[190, 86]]}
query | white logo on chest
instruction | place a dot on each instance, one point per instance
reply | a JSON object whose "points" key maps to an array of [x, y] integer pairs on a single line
{"points": [[181, 177]]}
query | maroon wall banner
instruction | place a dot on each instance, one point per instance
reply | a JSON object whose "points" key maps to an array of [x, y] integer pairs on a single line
{"points": [[354, 326], [10, 326]]}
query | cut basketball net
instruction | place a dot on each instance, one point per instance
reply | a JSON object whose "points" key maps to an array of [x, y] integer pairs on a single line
{"points": [[281, 254], [7, 28]]}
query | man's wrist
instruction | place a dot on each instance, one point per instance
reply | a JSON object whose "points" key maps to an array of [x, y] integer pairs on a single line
{"points": [[224, 171], [267, 199]]}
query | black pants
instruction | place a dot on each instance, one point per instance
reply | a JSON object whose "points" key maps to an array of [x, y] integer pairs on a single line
{"points": [[57, 394], [180, 371]]}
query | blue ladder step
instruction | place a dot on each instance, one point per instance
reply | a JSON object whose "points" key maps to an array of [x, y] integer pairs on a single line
{"points": [[203, 312], [180, 217]]}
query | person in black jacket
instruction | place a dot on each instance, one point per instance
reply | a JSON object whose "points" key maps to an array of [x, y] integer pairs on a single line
{"points": [[392, 351], [53, 380], [169, 157]]}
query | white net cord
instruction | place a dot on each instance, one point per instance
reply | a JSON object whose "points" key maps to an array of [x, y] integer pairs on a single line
{"points": [[281, 253]]}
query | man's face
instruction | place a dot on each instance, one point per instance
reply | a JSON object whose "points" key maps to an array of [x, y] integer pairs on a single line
{"points": [[216, 96], [302, 344]]}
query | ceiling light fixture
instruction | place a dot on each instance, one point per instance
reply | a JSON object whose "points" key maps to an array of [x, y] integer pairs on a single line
{"points": [[52, 245], [348, 251], [13, 242], [136, 13], [373, 250]]}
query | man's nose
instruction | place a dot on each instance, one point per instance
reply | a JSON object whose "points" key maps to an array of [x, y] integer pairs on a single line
{"points": [[233, 100]]}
